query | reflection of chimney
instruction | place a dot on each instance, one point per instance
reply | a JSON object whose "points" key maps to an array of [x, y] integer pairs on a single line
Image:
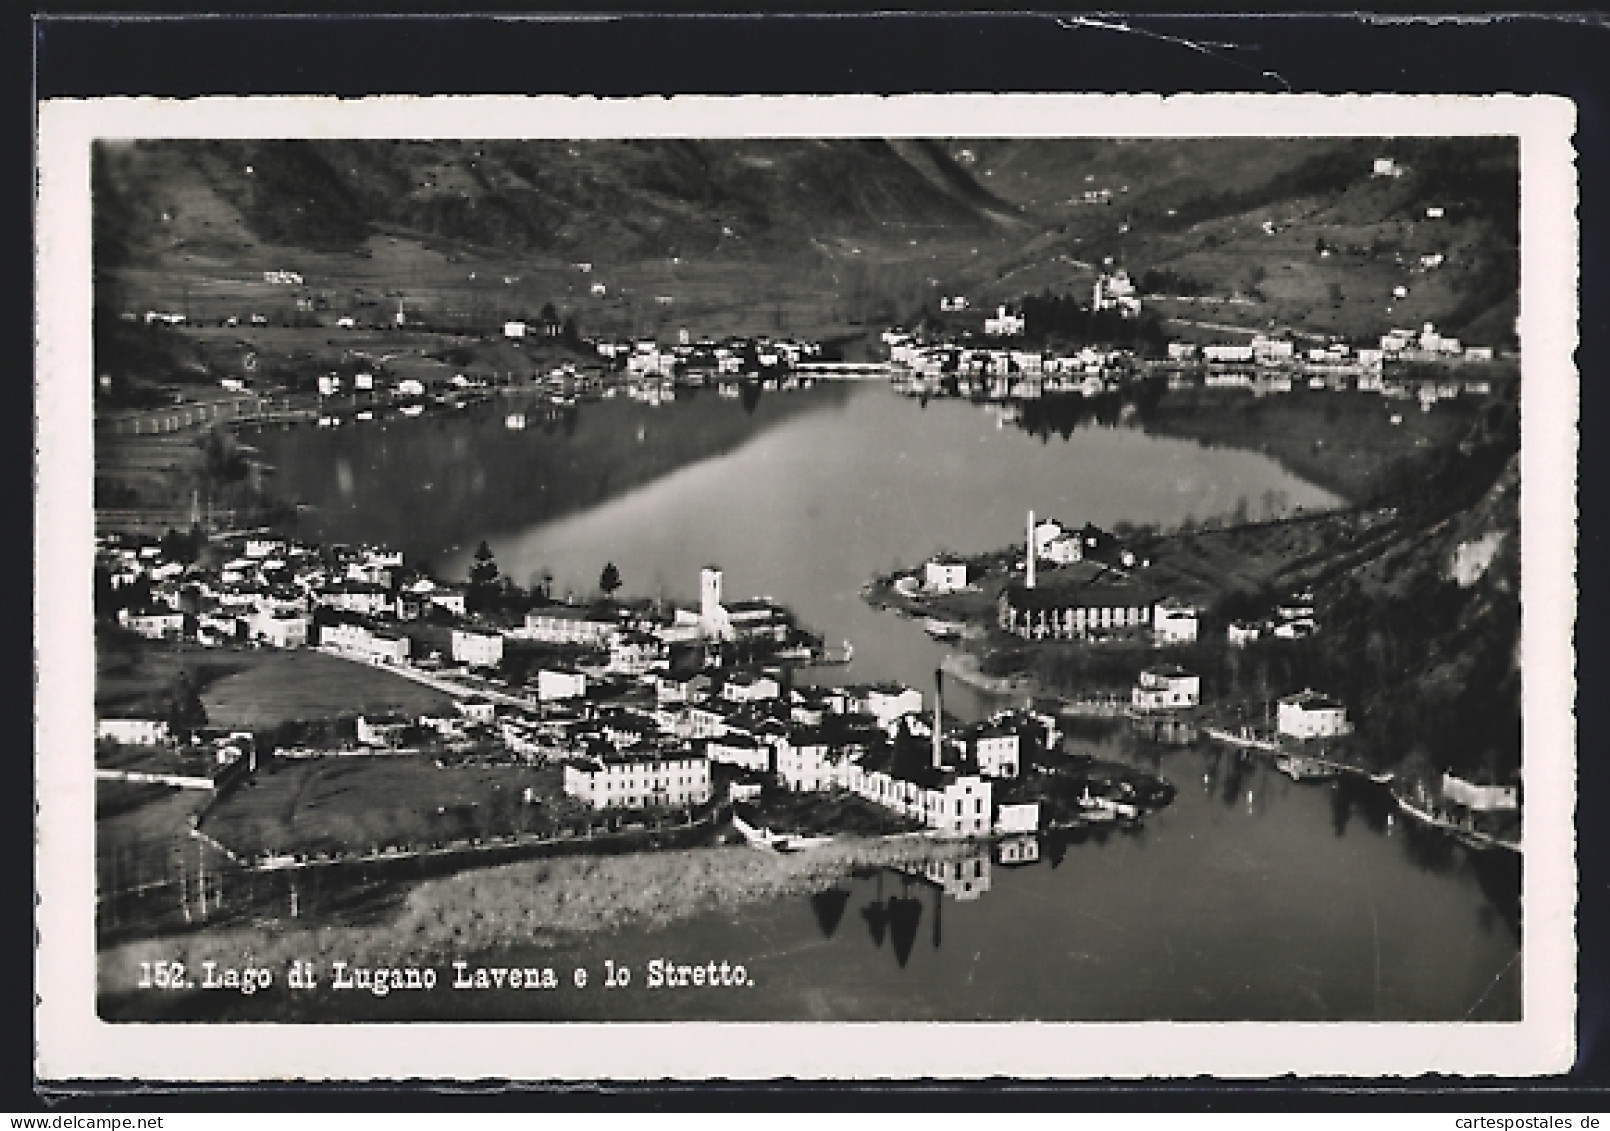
{"points": [[1030, 544], [939, 715]]}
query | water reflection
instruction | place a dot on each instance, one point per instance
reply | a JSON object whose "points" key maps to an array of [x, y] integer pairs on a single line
{"points": [[904, 914], [829, 908]]}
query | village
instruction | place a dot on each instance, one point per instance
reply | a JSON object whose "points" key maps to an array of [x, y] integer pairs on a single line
{"points": [[640, 711], [1114, 616], [1417, 365], [643, 709]]}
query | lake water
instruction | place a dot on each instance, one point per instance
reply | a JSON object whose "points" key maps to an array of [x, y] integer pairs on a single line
{"points": [[1250, 897], [804, 499]]}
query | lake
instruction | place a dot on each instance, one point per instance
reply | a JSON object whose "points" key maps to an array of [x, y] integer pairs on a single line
{"points": [[802, 496], [1250, 897]]}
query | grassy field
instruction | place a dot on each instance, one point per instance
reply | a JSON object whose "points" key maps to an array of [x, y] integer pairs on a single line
{"points": [[275, 687], [815, 814]]}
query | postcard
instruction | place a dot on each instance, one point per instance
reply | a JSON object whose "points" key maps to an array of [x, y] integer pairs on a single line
{"points": [[935, 586]]}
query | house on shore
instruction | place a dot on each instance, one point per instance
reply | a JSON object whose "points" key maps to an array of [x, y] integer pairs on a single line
{"points": [[1168, 688], [1309, 714], [1074, 611], [134, 731]]}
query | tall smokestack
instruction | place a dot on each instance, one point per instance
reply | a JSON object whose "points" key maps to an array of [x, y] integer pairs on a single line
{"points": [[1029, 583], [939, 715]]}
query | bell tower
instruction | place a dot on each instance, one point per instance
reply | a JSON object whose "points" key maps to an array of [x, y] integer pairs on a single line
{"points": [[709, 594]]}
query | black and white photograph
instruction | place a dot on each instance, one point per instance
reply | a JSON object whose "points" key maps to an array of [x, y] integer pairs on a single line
{"points": [[967, 560]]}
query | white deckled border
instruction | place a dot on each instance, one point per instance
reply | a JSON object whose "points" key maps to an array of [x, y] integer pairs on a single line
{"points": [[74, 1044]]}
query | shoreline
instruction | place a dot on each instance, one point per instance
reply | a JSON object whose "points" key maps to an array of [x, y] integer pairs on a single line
{"points": [[546, 901]]}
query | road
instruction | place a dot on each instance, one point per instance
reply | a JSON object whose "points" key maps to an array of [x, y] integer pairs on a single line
{"points": [[441, 683]]}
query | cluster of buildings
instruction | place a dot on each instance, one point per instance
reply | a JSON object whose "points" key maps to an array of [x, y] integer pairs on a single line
{"points": [[1002, 372], [665, 741], [359, 601], [870, 740], [1292, 619], [704, 358], [1264, 363]]}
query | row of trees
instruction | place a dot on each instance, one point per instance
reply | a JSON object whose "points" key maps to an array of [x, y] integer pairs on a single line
{"points": [[490, 591]]}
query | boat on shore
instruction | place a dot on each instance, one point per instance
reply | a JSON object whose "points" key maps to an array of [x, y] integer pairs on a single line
{"points": [[1465, 834], [1248, 741], [1301, 767], [943, 629]]}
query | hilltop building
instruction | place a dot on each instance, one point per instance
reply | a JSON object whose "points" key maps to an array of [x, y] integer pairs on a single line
{"points": [[1004, 324], [1116, 292]]}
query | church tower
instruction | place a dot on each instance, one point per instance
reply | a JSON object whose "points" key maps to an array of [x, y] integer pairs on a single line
{"points": [[712, 616]]}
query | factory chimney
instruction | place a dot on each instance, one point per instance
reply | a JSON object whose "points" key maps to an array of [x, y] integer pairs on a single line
{"points": [[939, 716], [1029, 581]]}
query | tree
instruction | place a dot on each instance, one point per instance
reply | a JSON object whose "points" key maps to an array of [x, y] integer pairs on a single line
{"points": [[484, 570], [609, 580], [483, 580]]}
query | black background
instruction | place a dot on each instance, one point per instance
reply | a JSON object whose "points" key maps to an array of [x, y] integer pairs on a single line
{"points": [[177, 55]]}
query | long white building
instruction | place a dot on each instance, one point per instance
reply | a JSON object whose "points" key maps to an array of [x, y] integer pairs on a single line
{"points": [[630, 780]]}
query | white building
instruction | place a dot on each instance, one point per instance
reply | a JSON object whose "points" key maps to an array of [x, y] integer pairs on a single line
{"points": [[477, 710], [1227, 354], [636, 653], [362, 597], [889, 702], [359, 642], [1017, 817], [639, 781], [279, 630], [1166, 689], [553, 684], [714, 623], [1480, 798], [996, 749], [152, 624], [944, 575], [477, 649], [1116, 292], [955, 804], [134, 732], [746, 687], [1003, 324], [1174, 623], [1241, 633], [1310, 715], [514, 330], [381, 730], [569, 626], [742, 750]]}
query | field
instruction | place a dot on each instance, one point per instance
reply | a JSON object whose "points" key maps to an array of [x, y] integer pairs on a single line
{"points": [[362, 804], [783, 811], [276, 687]]}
